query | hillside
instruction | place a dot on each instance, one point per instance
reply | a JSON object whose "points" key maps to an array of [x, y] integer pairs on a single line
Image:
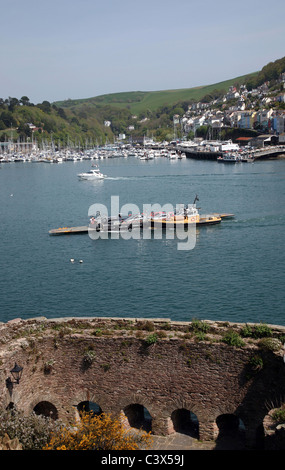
{"points": [[140, 101], [97, 120], [22, 121]]}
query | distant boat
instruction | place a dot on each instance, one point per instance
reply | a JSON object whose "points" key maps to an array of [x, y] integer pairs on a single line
{"points": [[147, 156], [229, 158], [181, 155], [172, 155]]}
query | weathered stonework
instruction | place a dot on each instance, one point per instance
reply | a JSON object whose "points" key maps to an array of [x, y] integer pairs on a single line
{"points": [[113, 363]]}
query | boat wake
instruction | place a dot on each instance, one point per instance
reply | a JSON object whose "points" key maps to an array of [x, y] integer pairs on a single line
{"points": [[267, 220], [118, 178], [134, 178]]}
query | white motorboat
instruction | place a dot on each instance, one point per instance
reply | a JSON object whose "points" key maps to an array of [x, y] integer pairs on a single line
{"points": [[92, 174], [147, 156], [229, 158], [172, 155]]}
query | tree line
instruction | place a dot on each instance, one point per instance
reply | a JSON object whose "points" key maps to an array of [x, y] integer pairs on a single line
{"points": [[20, 119]]}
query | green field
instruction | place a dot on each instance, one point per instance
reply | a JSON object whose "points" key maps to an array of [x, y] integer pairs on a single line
{"points": [[138, 101]]}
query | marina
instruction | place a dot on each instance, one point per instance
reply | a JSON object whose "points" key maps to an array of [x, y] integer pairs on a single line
{"points": [[204, 150]]}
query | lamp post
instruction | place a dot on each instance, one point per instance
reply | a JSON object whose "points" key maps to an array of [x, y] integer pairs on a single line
{"points": [[16, 374]]}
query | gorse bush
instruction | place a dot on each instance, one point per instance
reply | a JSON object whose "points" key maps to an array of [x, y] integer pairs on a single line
{"points": [[98, 433]]}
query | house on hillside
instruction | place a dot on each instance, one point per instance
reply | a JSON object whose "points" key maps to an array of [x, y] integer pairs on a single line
{"points": [[244, 119], [278, 122]]}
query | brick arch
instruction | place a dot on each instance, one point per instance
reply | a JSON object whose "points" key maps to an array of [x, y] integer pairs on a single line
{"points": [[140, 399], [180, 403], [134, 415], [47, 409], [185, 422], [170, 407], [40, 398]]}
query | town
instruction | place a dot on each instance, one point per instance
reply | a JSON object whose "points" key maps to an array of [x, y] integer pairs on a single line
{"points": [[261, 109]]}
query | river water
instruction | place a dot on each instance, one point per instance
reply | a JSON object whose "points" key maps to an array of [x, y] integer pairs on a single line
{"points": [[235, 272]]}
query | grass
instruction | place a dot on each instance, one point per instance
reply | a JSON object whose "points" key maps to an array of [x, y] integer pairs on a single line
{"points": [[138, 101]]}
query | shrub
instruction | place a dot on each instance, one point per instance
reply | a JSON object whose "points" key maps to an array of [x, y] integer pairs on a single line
{"points": [[199, 325], [89, 357], [161, 334], [246, 331], [145, 325], [33, 431], [270, 344], [256, 331], [256, 363], [279, 415], [233, 339], [262, 331], [97, 332], [98, 433], [200, 336], [151, 339]]}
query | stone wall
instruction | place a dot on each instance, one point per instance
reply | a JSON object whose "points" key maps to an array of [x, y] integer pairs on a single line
{"points": [[162, 365]]}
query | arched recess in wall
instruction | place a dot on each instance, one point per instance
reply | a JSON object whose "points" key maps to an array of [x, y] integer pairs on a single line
{"points": [[231, 432], [89, 407], [45, 408], [138, 417], [185, 422]]}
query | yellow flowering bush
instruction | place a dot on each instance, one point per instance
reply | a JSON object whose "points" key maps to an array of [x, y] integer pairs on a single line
{"points": [[101, 432]]}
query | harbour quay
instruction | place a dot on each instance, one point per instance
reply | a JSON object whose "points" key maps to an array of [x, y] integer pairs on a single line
{"points": [[263, 153]]}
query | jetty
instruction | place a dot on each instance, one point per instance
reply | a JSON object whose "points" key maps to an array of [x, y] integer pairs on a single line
{"points": [[69, 230], [258, 153]]}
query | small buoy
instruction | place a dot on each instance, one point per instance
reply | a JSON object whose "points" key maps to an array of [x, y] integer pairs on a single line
{"points": [[72, 260], [81, 261], [11, 195]]}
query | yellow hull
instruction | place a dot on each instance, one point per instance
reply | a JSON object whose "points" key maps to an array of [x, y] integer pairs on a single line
{"points": [[173, 222]]}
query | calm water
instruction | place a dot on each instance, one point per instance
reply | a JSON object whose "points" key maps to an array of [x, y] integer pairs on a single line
{"points": [[235, 272]]}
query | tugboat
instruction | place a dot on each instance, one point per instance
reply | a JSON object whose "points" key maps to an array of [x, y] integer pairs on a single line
{"points": [[184, 216]]}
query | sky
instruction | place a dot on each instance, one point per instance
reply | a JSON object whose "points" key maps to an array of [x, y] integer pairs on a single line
{"points": [[60, 49]]}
